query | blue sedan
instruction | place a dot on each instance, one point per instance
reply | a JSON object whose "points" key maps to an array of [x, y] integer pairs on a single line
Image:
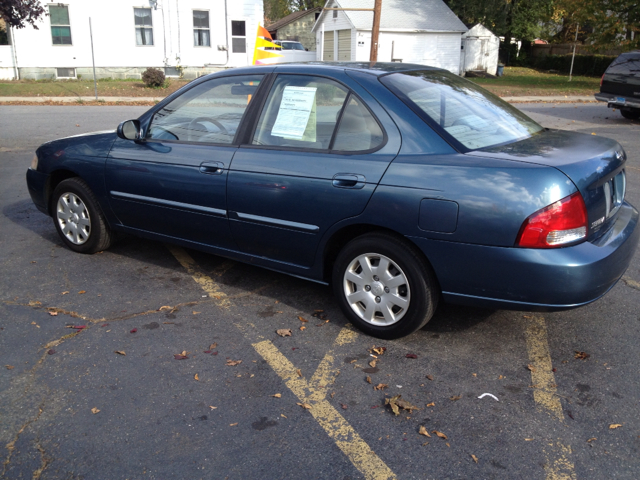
{"points": [[401, 185]]}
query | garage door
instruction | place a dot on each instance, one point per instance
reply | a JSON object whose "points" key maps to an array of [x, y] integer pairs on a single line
{"points": [[344, 45], [327, 50]]}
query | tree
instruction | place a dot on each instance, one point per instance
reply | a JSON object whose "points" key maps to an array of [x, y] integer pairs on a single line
{"points": [[604, 24], [274, 10], [19, 13]]}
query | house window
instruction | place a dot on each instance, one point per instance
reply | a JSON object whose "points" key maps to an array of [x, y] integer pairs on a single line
{"points": [[238, 36], [335, 14], [201, 37], [65, 73], [144, 26], [60, 26]]}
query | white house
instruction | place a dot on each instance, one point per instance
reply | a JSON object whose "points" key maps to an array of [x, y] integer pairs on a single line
{"points": [[189, 36], [426, 32], [479, 50]]}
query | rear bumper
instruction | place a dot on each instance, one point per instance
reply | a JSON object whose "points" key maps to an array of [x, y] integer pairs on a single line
{"points": [[618, 101], [37, 183], [534, 279]]}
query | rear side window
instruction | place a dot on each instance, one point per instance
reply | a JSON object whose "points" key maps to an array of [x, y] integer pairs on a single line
{"points": [[358, 129], [625, 64]]}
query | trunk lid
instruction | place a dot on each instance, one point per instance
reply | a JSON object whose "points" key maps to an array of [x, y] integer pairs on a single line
{"points": [[594, 164]]}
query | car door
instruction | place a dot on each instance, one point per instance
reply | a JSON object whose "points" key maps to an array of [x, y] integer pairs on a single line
{"points": [[173, 182], [314, 158]]}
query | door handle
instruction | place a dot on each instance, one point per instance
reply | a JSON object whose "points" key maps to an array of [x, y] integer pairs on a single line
{"points": [[212, 168], [348, 180]]}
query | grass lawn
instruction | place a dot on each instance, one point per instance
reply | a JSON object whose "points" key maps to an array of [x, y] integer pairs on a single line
{"points": [[85, 88], [517, 81], [520, 81]]}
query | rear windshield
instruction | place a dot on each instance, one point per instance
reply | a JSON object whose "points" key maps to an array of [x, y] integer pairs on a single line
{"points": [[468, 116], [625, 64]]}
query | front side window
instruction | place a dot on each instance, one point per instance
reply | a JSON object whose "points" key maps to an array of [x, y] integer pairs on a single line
{"points": [[207, 113], [144, 26], [316, 113], [467, 115], [60, 25], [238, 36], [201, 33]]}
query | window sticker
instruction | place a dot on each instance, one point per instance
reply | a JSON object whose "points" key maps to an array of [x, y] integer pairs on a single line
{"points": [[297, 114]]}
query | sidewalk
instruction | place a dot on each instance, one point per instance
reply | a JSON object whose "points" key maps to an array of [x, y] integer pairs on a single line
{"points": [[153, 100]]}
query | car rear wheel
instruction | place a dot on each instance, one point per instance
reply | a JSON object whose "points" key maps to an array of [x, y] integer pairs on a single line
{"points": [[384, 286], [78, 218], [630, 114]]}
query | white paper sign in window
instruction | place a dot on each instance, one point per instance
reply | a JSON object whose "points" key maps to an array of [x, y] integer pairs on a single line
{"points": [[297, 115]]}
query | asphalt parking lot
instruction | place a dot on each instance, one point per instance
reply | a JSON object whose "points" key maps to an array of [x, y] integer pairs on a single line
{"points": [[117, 400]]}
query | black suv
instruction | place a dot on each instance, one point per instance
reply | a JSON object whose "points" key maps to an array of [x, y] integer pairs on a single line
{"points": [[620, 85]]}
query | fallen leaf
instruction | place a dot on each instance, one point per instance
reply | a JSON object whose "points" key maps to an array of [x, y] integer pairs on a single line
{"points": [[120, 352], [195, 313], [332, 394], [423, 431], [51, 352], [379, 350], [64, 293], [396, 403], [306, 406], [213, 346], [165, 307], [501, 377], [455, 397], [475, 459], [432, 404], [531, 368], [77, 327], [277, 395], [323, 323], [284, 332], [430, 377], [440, 434], [180, 356], [94, 410], [233, 363], [53, 314], [196, 377], [207, 351], [614, 426], [283, 415], [133, 330], [299, 372], [344, 407], [81, 292], [411, 355], [233, 424], [302, 319], [381, 386], [9, 367], [302, 327], [372, 363], [591, 439], [368, 379], [33, 303], [581, 355]]}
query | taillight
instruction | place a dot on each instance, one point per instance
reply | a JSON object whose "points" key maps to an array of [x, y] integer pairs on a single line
{"points": [[601, 79], [557, 225]]}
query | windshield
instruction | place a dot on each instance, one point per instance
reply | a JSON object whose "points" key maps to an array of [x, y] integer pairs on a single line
{"points": [[292, 46], [465, 114]]}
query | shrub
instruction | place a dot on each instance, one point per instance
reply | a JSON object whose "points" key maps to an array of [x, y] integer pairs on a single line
{"points": [[153, 78], [594, 65]]}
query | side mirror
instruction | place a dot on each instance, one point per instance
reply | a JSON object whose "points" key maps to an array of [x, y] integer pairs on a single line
{"points": [[129, 130]]}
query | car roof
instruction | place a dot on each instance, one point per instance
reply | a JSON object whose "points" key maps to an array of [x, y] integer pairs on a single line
{"points": [[374, 68]]}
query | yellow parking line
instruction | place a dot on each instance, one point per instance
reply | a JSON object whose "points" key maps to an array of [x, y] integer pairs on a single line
{"points": [[558, 466], [312, 392], [334, 424]]}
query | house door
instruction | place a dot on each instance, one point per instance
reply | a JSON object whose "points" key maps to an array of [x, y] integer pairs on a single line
{"points": [[344, 45], [327, 50]]}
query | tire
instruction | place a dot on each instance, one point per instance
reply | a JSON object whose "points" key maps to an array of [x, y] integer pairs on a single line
{"points": [[630, 114], [78, 218], [384, 286]]}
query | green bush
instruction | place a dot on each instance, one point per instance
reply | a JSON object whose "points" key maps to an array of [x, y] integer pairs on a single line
{"points": [[153, 78], [588, 65]]}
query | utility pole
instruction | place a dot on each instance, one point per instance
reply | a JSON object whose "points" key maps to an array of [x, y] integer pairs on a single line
{"points": [[574, 51], [375, 30]]}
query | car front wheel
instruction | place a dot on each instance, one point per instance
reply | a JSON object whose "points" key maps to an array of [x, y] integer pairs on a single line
{"points": [[78, 218], [384, 286]]}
